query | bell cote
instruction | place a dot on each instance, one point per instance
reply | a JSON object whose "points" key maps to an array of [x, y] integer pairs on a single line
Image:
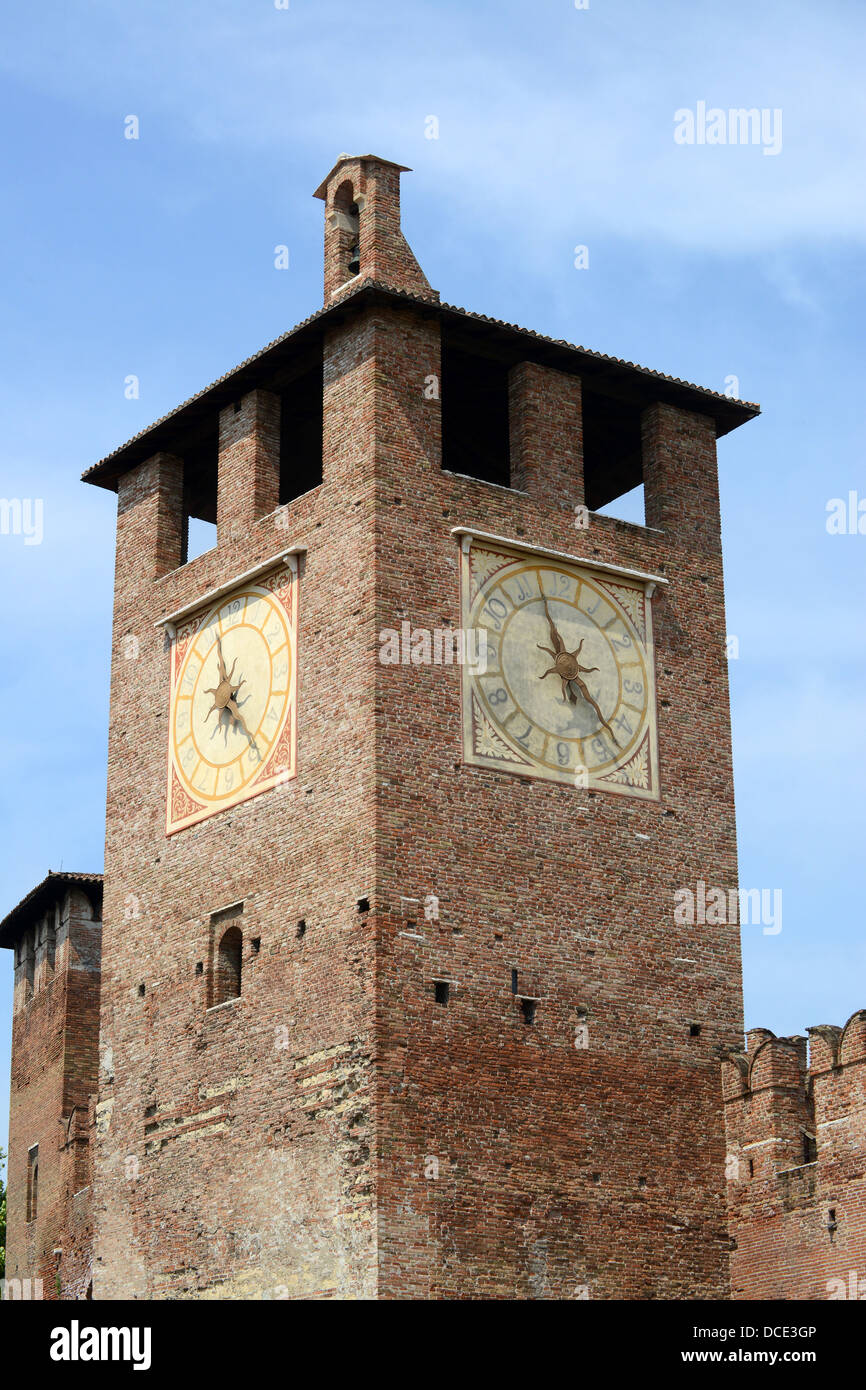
{"points": [[363, 237]]}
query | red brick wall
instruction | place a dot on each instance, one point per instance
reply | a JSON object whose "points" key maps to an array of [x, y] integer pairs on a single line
{"points": [[780, 1205], [559, 1169], [55, 1032], [235, 1146]]}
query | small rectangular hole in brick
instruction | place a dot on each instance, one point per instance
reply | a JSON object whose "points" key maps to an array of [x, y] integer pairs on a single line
{"points": [[528, 1008], [441, 991]]}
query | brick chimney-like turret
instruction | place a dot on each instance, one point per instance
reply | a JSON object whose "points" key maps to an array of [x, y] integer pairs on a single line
{"points": [[363, 240]]}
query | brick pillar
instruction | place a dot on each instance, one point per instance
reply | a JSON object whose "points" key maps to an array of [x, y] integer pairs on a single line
{"points": [[546, 433], [248, 485], [382, 405], [349, 410], [681, 483], [149, 521]]}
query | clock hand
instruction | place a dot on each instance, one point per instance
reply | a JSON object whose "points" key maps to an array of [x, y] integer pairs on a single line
{"points": [[575, 680], [236, 715], [224, 695], [222, 665], [555, 637], [568, 668]]}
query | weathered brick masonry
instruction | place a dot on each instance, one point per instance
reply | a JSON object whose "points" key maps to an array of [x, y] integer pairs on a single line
{"points": [[334, 1130]]}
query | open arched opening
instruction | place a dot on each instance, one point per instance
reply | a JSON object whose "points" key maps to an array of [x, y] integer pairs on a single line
{"points": [[227, 982]]}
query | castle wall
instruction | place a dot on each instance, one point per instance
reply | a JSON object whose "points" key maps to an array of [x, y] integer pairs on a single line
{"points": [[797, 1164]]}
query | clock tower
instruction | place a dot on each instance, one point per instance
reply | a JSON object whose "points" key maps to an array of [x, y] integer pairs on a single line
{"points": [[394, 1002]]}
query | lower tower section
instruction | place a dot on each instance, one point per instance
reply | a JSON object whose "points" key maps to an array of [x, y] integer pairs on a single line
{"points": [[55, 934]]}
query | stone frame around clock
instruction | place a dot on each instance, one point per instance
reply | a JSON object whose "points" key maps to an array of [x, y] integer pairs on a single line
{"points": [[280, 579]]}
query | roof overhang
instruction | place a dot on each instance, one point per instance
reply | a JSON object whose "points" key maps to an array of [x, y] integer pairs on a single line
{"points": [[609, 376], [322, 190], [40, 898]]}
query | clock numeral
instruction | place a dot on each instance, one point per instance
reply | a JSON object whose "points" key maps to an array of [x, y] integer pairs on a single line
{"points": [[525, 736], [632, 687], [622, 723], [523, 590], [622, 641], [498, 696], [495, 610], [281, 670], [601, 750], [563, 754]]}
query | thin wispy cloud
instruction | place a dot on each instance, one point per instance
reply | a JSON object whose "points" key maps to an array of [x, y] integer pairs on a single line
{"points": [[540, 106]]}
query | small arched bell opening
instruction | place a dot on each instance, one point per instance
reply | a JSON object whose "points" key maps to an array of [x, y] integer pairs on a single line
{"points": [[348, 227]]}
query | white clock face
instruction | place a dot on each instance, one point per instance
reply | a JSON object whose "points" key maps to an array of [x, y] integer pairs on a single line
{"points": [[568, 690], [232, 716]]}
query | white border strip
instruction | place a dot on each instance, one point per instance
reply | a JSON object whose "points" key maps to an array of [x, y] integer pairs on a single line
{"points": [[651, 580], [285, 557]]}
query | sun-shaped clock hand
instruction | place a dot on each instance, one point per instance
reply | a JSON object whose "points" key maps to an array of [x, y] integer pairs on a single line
{"points": [[225, 694], [568, 668]]}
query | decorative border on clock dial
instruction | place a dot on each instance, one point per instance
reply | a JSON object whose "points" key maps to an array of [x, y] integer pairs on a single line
{"points": [[183, 808], [486, 743]]}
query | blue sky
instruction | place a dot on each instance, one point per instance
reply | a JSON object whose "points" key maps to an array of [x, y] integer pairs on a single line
{"points": [[155, 257]]}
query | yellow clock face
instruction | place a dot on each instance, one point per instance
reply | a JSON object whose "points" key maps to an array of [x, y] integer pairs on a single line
{"points": [[566, 692], [232, 718]]}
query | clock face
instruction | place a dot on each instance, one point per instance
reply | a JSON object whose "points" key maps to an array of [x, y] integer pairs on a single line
{"points": [[232, 719], [568, 690]]}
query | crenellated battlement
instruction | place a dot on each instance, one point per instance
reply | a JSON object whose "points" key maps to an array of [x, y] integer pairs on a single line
{"points": [[769, 1062]]}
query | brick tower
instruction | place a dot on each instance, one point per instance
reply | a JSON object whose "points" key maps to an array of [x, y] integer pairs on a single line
{"points": [[54, 934], [394, 1001]]}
